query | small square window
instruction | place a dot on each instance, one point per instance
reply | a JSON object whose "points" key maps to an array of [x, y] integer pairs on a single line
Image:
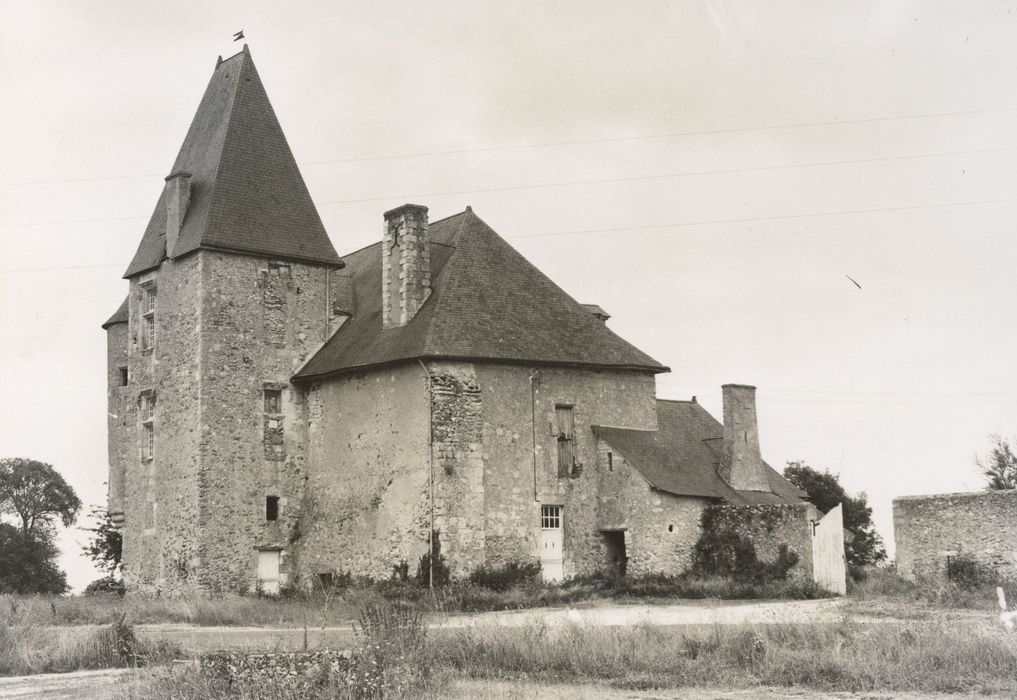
{"points": [[273, 401], [123, 376], [271, 507]]}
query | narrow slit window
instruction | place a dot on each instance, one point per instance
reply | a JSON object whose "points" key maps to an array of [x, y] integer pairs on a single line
{"points": [[271, 508], [610, 461], [273, 401], [123, 376]]}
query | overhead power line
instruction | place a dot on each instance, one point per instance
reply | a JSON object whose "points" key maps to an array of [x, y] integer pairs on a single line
{"points": [[596, 181], [576, 142], [679, 224], [666, 176]]}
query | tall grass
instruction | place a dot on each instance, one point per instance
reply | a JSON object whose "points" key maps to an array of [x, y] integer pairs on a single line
{"points": [[28, 649], [848, 657]]}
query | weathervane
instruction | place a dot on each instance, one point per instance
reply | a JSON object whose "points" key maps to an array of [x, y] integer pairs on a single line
{"points": [[237, 36]]}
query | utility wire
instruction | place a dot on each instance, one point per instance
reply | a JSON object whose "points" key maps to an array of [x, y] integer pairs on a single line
{"points": [[577, 142], [666, 176], [679, 224], [601, 181], [779, 217]]}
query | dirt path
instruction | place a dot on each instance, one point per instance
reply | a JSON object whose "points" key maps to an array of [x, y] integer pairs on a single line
{"points": [[87, 685], [195, 639]]}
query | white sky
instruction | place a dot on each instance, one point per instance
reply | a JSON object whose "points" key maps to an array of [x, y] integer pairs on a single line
{"points": [[894, 386]]}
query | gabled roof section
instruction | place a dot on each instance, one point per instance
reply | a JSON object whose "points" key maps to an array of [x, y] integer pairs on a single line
{"points": [[119, 316], [682, 455], [487, 303], [247, 194]]}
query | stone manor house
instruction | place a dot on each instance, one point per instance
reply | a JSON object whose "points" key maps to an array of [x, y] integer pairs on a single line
{"points": [[280, 413]]}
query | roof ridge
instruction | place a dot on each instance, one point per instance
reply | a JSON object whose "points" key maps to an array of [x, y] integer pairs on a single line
{"points": [[225, 139], [660, 400]]}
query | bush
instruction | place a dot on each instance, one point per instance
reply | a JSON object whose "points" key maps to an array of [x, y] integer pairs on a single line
{"points": [[969, 575], [106, 584], [440, 575], [502, 578]]}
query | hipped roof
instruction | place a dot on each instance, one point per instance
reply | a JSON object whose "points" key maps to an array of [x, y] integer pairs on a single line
{"points": [[247, 194], [682, 455], [487, 303]]}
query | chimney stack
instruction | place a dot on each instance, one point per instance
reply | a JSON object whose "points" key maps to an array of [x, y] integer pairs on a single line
{"points": [[178, 196], [405, 264], [741, 464]]}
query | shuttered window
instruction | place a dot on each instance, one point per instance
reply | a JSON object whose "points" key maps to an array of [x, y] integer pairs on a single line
{"points": [[566, 430]]}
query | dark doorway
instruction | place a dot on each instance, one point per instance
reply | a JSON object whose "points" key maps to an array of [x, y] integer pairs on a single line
{"points": [[614, 545]]}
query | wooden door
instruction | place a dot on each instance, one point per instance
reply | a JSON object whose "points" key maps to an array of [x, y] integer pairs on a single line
{"points": [[829, 568], [268, 571]]}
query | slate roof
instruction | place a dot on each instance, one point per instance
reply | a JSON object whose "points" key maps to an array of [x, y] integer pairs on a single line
{"points": [[247, 194], [682, 455], [119, 316], [487, 303]]}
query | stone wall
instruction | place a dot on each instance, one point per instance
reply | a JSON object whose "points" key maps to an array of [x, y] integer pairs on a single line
{"points": [[520, 454], [771, 527], [366, 506], [660, 528], [303, 668], [981, 525], [120, 419], [227, 327]]}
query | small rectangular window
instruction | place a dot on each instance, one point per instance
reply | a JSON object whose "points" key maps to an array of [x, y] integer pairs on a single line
{"points": [[610, 462], [550, 517], [271, 507], [273, 401], [123, 376], [148, 448]]}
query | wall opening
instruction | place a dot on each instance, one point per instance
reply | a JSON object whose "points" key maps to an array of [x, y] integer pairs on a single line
{"points": [[123, 376], [273, 401], [271, 507], [614, 549], [566, 433]]}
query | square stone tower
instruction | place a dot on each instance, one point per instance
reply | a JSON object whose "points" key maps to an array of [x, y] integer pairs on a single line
{"points": [[230, 291]]}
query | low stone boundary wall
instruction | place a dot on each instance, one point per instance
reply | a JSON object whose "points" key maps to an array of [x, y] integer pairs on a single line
{"points": [[769, 527], [297, 666], [931, 529]]}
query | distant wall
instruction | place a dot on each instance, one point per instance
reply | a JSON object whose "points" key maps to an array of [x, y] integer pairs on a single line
{"points": [[928, 529]]}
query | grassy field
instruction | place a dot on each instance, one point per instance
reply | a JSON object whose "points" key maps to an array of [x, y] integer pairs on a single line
{"points": [[920, 659], [930, 640]]}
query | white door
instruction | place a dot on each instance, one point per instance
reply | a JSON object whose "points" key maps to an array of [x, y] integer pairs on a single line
{"points": [[828, 566], [551, 565], [268, 570]]}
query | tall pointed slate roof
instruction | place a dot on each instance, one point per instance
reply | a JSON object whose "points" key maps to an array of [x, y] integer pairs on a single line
{"points": [[247, 194], [487, 303]]}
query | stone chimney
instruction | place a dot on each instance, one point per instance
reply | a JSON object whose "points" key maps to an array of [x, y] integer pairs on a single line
{"points": [[405, 265], [178, 196], [741, 464]]}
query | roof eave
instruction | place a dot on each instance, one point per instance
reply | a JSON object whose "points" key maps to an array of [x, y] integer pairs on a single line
{"points": [[319, 376]]}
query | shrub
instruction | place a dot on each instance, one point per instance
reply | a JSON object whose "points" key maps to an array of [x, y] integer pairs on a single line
{"points": [[969, 575], [440, 575], [505, 577], [106, 584]]}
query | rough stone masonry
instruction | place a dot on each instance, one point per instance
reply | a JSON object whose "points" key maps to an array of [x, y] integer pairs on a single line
{"points": [[931, 530]]}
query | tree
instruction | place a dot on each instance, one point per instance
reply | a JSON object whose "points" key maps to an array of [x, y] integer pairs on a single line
{"points": [[36, 493], [825, 492], [28, 562], [999, 467], [106, 546], [37, 496]]}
